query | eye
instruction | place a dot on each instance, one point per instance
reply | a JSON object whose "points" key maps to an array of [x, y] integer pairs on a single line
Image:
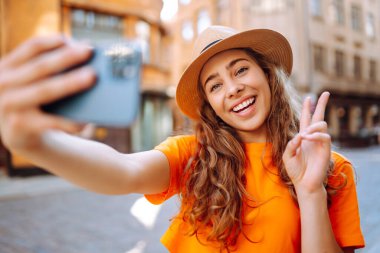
{"points": [[241, 70], [215, 86]]}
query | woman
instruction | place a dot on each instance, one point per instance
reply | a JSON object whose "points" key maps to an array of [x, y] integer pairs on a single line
{"points": [[255, 177]]}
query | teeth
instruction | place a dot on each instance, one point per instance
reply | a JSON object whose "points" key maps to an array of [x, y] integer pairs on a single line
{"points": [[243, 105]]}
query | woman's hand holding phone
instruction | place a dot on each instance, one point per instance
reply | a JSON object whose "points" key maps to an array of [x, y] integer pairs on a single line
{"points": [[29, 79]]}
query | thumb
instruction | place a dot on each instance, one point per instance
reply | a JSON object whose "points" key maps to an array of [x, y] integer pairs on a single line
{"points": [[291, 147]]}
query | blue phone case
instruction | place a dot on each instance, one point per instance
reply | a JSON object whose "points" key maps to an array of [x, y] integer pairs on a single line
{"points": [[115, 98]]}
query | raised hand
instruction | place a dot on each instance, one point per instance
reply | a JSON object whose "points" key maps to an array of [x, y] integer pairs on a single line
{"points": [[28, 79], [307, 155]]}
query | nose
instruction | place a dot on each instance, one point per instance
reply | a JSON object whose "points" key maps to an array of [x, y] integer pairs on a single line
{"points": [[234, 88]]}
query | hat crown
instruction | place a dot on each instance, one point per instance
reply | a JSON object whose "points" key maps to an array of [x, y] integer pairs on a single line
{"points": [[209, 37]]}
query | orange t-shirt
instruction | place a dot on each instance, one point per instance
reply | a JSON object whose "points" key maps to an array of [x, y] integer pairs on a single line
{"points": [[273, 226]]}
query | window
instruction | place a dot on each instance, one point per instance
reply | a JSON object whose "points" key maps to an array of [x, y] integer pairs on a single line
{"points": [[78, 17], [316, 8], [319, 55], [90, 19], [357, 67], [339, 63], [370, 25], [269, 5], [154, 124], [95, 26], [184, 2], [94, 20], [343, 116], [372, 71], [143, 36], [338, 11], [222, 12], [187, 31], [356, 18], [204, 21]]}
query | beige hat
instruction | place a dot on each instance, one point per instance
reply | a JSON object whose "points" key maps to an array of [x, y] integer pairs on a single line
{"points": [[215, 39]]}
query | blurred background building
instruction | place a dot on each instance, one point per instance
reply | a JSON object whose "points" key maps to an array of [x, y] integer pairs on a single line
{"points": [[97, 21], [335, 44]]}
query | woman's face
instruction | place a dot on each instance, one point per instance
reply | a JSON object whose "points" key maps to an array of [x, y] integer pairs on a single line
{"points": [[238, 91]]}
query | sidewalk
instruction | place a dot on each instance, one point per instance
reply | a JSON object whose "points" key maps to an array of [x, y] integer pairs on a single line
{"points": [[46, 214], [19, 187]]}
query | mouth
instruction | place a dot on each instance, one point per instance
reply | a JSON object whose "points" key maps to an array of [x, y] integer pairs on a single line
{"points": [[244, 105]]}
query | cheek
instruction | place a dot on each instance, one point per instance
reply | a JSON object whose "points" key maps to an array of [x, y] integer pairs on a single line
{"points": [[215, 102]]}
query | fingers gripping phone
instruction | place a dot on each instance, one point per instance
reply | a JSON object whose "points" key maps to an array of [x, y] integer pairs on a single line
{"points": [[115, 98]]}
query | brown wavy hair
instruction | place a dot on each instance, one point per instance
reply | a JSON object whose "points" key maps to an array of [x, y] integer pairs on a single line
{"points": [[214, 180]]}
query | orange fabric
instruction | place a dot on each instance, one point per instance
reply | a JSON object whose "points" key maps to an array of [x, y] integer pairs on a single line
{"points": [[274, 225]]}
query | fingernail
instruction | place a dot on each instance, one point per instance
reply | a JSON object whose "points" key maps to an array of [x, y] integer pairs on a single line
{"points": [[88, 73]]}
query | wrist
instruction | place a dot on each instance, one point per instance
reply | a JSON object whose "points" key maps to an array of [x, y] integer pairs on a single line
{"points": [[318, 195]]}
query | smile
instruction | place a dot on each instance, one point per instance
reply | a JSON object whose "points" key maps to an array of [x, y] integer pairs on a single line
{"points": [[244, 105]]}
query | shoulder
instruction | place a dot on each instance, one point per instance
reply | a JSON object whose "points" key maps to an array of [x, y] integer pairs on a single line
{"points": [[339, 159], [343, 168], [179, 143], [181, 140], [341, 163]]}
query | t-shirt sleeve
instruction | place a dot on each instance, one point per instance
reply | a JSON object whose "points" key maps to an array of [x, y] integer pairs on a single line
{"points": [[178, 150], [344, 209]]}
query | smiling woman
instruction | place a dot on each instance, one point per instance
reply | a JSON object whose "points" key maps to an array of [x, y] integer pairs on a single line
{"points": [[253, 154], [254, 151]]}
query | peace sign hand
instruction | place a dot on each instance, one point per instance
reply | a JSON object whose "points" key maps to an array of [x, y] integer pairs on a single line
{"points": [[307, 155]]}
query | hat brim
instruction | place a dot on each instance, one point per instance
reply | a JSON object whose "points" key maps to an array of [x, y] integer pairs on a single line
{"points": [[269, 43]]}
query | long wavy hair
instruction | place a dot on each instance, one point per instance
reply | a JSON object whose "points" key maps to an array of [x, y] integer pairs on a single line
{"points": [[214, 180]]}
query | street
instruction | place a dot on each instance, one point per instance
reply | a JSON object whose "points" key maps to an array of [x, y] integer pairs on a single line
{"points": [[72, 220], [45, 214], [367, 165]]}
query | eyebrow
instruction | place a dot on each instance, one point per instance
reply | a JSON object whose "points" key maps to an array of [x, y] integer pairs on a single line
{"points": [[228, 67]]}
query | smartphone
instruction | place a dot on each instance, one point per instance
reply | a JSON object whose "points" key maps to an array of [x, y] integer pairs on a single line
{"points": [[115, 98]]}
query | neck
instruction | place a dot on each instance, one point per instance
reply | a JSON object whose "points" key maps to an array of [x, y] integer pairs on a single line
{"points": [[253, 136]]}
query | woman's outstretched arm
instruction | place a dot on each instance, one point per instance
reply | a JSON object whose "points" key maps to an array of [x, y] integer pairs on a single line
{"points": [[28, 80], [98, 167]]}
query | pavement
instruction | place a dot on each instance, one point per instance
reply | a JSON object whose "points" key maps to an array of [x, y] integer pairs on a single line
{"points": [[18, 188], [45, 214], [366, 162]]}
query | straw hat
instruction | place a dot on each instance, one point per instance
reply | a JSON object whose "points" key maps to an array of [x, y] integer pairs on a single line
{"points": [[215, 39]]}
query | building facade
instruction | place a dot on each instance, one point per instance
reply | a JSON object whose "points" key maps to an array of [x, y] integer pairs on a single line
{"points": [[336, 47]]}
